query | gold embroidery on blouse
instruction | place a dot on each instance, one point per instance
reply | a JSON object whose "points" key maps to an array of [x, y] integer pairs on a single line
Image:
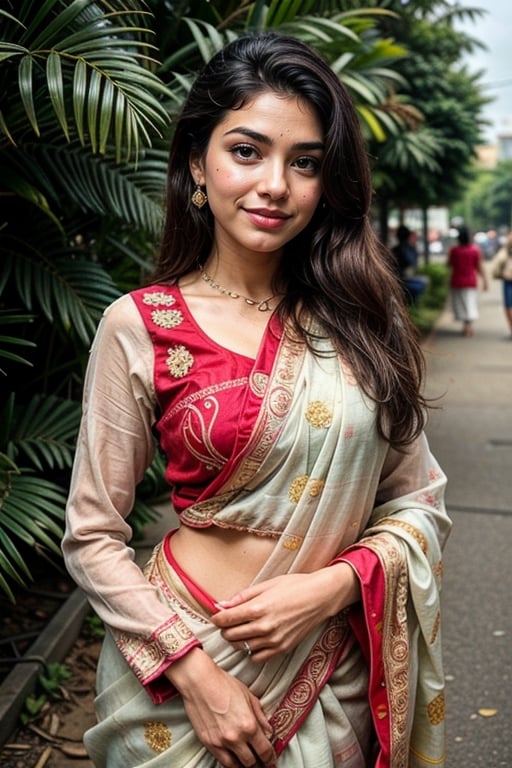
{"points": [[155, 298], [197, 433], [179, 362], [318, 414], [296, 488], [167, 318], [436, 710], [157, 736]]}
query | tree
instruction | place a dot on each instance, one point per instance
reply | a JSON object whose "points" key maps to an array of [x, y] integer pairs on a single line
{"points": [[448, 99]]}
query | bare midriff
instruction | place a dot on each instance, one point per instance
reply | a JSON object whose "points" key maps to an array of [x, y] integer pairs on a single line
{"points": [[220, 561]]}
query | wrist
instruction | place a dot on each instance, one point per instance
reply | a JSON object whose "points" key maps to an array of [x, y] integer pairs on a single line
{"points": [[343, 586], [189, 670]]}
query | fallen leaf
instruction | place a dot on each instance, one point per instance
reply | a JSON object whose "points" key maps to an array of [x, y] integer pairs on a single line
{"points": [[73, 750]]}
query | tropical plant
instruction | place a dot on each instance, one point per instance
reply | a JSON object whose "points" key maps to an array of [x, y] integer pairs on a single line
{"points": [[81, 106]]}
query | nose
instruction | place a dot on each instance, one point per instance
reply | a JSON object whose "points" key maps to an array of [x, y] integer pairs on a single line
{"points": [[274, 180]]}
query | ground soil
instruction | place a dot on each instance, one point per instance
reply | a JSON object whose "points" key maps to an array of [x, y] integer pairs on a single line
{"points": [[54, 738]]}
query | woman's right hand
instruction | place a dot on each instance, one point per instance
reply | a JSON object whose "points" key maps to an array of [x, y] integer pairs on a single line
{"points": [[226, 717]]}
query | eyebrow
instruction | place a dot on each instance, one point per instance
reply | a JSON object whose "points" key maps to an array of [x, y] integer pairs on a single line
{"points": [[263, 139]]}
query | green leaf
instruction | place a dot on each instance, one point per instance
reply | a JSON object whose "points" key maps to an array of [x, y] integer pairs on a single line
{"points": [[56, 89], [26, 90], [80, 97]]}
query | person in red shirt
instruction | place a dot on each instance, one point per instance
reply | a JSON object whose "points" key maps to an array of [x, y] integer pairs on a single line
{"points": [[465, 261]]}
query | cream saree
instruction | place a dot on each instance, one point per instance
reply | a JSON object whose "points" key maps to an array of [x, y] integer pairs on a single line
{"points": [[317, 477]]}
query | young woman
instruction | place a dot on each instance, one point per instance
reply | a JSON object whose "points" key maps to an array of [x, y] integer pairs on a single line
{"points": [[292, 619]]}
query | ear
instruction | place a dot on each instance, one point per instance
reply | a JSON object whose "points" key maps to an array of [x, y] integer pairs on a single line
{"points": [[196, 166]]}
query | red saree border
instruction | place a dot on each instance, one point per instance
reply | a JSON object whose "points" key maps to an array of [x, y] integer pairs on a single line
{"points": [[379, 622], [333, 644]]}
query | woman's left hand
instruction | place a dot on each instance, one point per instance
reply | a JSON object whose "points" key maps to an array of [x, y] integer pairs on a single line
{"points": [[276, 615]]}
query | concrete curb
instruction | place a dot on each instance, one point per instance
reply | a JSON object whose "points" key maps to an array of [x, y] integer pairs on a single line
{"points": [[52, 645]]}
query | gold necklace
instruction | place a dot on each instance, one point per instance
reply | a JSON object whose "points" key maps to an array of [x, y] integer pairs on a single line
{"points": [[261, 306]]}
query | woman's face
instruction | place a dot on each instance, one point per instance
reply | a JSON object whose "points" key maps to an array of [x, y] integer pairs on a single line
{"points": [[262, 175]]}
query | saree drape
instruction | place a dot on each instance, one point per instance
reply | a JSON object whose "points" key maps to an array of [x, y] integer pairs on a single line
{"points": [[317, 477]]}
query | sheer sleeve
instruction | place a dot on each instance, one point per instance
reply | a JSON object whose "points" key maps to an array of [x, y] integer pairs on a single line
{"points": [[115, 446]]}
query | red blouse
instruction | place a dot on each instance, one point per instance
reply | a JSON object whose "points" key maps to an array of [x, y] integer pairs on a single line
{"points": [[209, 396]]}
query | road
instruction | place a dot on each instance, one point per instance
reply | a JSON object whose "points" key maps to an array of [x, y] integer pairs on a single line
{"points": [[471, 435]]}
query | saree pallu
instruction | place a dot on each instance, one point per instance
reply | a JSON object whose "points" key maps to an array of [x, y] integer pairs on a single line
{"points": [[316, 697]]}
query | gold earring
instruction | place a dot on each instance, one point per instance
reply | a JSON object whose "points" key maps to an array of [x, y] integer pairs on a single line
{"points": [[199, 198]]}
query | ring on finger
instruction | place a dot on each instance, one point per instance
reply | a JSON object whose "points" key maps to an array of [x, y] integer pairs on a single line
{"points": [[247, 648]]}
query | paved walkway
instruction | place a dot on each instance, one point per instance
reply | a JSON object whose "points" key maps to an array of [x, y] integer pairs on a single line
{"points": [[471, 435]]}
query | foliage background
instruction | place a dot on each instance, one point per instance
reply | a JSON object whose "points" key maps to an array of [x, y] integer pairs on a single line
{"points": [[88, 92]]}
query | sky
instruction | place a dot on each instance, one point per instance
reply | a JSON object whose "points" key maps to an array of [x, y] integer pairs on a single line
{"points": [[494, 29]]}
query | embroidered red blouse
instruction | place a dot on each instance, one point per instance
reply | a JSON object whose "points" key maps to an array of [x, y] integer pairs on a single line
{"points": [[208, 396]]}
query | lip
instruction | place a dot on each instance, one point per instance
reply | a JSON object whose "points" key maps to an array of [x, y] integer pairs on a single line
{"points": [[267, 217]]}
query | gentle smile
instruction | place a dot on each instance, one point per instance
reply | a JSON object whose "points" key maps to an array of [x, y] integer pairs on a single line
{"points": [[267, 218]]}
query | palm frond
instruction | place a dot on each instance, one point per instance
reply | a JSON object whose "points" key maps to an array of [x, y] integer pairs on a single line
{"points": [[69, 287], [131, 193], [44, 432], [31, 512], [93, 68]]}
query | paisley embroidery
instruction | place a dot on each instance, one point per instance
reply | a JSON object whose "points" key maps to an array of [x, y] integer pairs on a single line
{"points": [[179, 361], [197, 433]]}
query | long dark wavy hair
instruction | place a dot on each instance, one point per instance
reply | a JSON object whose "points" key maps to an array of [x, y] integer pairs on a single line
{"points": [[336, 270]]}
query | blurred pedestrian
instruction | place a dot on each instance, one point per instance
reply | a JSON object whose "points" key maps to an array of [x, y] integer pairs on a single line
{"points": [[406, 262], [466, 264], [502, 270]]}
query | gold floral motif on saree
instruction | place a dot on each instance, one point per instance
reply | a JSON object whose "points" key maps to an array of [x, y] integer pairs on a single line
{"points": [[291, 543], [299, 485], [157, 736], [437, 710], [318, 414], [179, 361]]}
